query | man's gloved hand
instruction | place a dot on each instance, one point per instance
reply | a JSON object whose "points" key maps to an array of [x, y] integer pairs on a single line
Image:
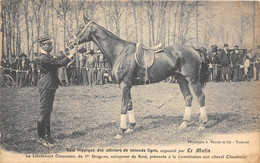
{"points": [[73, 52]]}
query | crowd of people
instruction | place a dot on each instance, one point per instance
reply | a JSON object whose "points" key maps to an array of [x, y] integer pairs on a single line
{"points": [[91, 68], [86, 68], [232, 65]]}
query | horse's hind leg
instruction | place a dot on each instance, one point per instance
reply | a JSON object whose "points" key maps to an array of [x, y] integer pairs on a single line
{"points": [[201, 99], [183, 83]]}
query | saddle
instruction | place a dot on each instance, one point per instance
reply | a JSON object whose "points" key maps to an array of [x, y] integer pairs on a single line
{"points": [[144, 56]]}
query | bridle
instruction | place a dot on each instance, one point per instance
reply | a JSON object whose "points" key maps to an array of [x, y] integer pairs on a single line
{"points": [[76, 43]]}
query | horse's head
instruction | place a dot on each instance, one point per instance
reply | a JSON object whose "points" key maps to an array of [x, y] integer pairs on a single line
{"points": [[82, 33]]}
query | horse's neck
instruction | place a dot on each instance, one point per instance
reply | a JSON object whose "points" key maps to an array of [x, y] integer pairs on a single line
{"points": [[109, 44]]}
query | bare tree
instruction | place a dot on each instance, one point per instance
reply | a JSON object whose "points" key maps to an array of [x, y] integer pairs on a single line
{"points": [[134, 8], [186, 10], [254, 11], [141, 21], [150, 7], [3, 26], [241, 25], [161, 22], [64, 7], [25, 5], [37, 5]]}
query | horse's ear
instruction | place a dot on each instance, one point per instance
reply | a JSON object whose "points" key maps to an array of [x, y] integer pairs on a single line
{"points": [[86, 17]]}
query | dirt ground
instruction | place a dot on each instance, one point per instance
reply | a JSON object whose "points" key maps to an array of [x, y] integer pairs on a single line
{"points": [[88, 116]]}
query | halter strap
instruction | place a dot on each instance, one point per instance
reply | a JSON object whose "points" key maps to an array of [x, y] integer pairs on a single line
{"points": [[86, 26], [76, 37]]}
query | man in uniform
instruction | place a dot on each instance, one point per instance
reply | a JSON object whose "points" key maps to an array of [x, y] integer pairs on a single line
{"points": [[257, 62], [235, 62], [90, 66], [225, 64], [47, 86]]}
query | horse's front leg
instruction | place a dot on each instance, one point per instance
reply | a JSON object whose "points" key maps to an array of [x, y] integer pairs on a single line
{"points": [[126, 106]]}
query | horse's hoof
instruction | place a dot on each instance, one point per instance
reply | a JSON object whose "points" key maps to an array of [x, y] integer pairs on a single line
{"points": [[183, 125], [128, 131], [119, 136], [201, 127]]}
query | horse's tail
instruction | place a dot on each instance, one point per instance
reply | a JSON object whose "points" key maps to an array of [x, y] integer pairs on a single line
{"points": [[204, 69]]}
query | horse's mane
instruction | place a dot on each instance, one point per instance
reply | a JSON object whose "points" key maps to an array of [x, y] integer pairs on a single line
{"points": [[110, 33]]}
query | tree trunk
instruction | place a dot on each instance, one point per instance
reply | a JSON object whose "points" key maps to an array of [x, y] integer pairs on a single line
{"points": [[27, 26], [169, 24], [53, 27], [126, 26], [32, 41], [197, 25], [254, 40], [175, 24], [149, 24], [135, 18], [3, 27], [64, 28], [141, 22]]}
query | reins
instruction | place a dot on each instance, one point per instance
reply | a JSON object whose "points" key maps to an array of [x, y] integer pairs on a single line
{"points": [[76, 43]]}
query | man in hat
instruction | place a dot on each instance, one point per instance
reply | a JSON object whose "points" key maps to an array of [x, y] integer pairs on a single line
{"points": [[90, 66], [23, 67], [225, 64], [47, 86], [257, 62], [235, 62]]}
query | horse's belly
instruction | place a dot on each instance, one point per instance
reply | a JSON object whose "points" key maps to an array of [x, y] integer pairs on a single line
{"points": [[153, 75]]}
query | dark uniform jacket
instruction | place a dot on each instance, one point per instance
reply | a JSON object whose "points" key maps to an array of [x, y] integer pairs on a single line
{"points": [[48, 67], [235, 59], [23, 66], [224, 57]]}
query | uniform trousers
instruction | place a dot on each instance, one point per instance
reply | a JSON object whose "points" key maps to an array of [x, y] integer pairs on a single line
{"points": [[46, 100]]}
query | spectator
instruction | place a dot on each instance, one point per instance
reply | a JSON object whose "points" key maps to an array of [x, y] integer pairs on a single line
{"points": [[235, 62], [83, 73], [23, 66], [83, 67], [257, 62], [100, 69], [78, 77], [247, 66], [90, 66], [225, 64], [215, 57]]}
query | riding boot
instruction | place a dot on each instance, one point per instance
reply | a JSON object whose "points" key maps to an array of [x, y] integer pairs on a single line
{"points": [[48, 136], [48, 131], [41, 129]]}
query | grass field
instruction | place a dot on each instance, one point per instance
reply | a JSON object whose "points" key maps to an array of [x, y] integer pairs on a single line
{"points": [[88, 116]]}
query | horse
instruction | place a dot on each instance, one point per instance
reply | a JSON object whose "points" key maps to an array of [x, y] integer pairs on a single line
{"points": [[179, 60]]}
